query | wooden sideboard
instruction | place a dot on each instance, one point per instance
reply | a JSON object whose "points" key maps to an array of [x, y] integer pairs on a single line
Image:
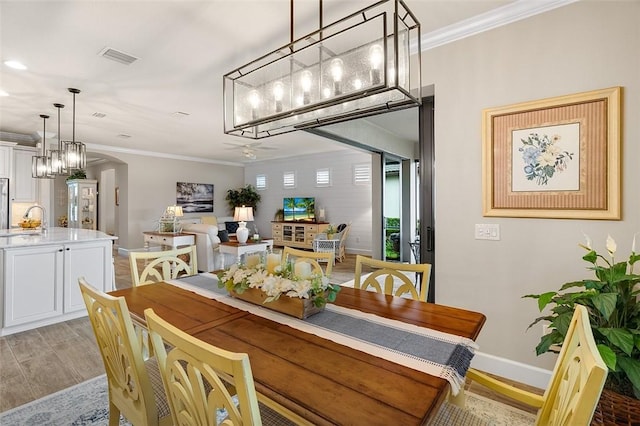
{"points": [[296, 234]]}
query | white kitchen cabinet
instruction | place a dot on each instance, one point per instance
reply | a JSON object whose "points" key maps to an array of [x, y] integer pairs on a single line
{"points": [[41, 282], [24, 186], [6, 155], [33, 284], [94, 261]]}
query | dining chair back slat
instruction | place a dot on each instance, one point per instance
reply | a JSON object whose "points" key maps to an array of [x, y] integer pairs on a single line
{"points": [[574, 389], [162, 265], [131, 389], [197, 377], [393, 278], [310, 257]]}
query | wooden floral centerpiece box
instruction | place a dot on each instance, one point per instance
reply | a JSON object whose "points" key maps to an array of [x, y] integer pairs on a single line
{"points": [[279, 289]]}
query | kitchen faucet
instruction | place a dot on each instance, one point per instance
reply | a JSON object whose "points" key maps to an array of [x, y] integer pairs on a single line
{"points": [[43, 225]]}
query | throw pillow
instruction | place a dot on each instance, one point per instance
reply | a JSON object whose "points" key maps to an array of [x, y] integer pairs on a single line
{"points": [[224, 236], [231, 227]]}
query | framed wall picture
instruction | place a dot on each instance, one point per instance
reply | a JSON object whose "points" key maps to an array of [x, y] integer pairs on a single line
{"points": [[554, 158], [194, 197]]}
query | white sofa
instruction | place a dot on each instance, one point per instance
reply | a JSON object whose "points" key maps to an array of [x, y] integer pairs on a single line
{"points": [[207, 242]]}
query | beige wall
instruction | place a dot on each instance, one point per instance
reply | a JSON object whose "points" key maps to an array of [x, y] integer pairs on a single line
{"points": [[580, 47], [149, 185]]}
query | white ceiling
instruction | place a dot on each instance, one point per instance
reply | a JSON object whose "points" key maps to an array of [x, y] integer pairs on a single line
{"points": [[184, 48]]}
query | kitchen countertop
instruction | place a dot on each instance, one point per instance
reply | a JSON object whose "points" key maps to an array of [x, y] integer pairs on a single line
{"points": [[13, 238]]}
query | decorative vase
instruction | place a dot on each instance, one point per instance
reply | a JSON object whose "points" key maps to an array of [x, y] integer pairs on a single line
{"points": [[242, 233], [294, 306]]}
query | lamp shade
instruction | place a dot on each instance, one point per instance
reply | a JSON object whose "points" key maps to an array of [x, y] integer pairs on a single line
{"points": [[243, 214], [175, 211]]}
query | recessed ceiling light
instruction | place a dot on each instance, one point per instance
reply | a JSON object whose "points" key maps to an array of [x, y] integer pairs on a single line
{"points": [[15, 65], [180, 114], [3, 93], [124, 136]]}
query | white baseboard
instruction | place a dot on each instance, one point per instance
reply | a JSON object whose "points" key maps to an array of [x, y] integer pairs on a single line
{"points": [[512, 370]]}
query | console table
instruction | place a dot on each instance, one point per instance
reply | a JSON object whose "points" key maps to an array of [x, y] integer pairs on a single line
{"points": [[173, 240], [296, 234]]}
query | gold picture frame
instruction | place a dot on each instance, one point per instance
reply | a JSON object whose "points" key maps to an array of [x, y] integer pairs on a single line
{"points": [[554, 158]]}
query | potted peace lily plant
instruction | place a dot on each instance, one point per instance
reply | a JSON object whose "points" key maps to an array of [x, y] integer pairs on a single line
{"points": [[611, 298]]}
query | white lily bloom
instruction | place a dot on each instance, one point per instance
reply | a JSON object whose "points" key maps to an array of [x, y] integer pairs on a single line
{"points": [[588, 244], [633, 245], [611, 245]]}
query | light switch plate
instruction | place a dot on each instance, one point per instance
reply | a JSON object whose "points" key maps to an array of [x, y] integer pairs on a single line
{"points": [[487, 231]]}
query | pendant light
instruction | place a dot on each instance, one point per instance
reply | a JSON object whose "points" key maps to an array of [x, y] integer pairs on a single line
{"points": [[41, 164], [75, 153], [357, 66], [56, 156]]}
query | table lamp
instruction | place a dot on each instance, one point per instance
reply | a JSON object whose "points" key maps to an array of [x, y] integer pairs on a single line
{"points": [[242, 215], [173, 213]]}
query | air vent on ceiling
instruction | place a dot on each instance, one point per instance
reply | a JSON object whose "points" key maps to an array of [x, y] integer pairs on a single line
{"points": [[99, 114], [117, 55], [180, 114], [124, 136]]}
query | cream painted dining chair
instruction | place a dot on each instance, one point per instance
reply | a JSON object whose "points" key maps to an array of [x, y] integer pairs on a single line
{"points": [[393, 278], [135, 385], [313, 258], [196, 377], [574, 389], [162, 265]]}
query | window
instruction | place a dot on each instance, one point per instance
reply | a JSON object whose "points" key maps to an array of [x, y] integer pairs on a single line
{"points": [[289, 180], [361, 174], [323, 177], [261, 182]]}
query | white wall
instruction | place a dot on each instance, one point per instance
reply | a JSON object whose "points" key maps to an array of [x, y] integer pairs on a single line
{"points": [[580, 47], [343, 201]]}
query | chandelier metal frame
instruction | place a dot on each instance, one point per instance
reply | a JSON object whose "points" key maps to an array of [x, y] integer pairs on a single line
{"points": [[358, 66]]}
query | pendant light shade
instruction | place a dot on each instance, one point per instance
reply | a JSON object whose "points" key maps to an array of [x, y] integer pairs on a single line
{"points": [[57, 156], [357, 66], [74, 152], [41, 164]]}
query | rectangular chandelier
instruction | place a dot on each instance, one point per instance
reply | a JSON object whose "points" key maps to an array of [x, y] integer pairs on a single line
{"points": [[355, 67]]}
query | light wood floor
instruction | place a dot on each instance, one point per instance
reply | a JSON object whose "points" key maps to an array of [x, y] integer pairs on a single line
{"points": [[42, 361]]}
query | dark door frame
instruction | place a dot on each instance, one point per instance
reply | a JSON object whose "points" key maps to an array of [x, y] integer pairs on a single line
{"points": [[427, 160]]}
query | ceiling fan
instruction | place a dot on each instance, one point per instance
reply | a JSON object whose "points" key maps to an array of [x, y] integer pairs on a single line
{"points": [[248, 150]]}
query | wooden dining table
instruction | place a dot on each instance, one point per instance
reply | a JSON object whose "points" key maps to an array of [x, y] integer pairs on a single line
{"points": [[311, 379]]}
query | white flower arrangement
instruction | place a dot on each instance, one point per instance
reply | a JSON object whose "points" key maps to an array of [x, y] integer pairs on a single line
{"points": [[316, 287]]}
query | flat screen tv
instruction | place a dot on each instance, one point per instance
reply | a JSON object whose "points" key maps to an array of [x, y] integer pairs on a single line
{"points": [[302, 209]]}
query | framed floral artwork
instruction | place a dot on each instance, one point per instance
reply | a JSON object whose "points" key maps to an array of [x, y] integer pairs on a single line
{"points": [[554, 158]]}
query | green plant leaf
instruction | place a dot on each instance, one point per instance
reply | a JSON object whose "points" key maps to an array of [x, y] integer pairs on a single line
{"points": [[573, 284], [632, 368], [605, 303], [561, 322], [591, 257], [619, 337], [608, 356], [544, 299], [547, 340]]}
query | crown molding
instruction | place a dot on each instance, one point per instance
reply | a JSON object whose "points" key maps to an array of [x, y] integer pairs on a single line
{"points": [[107, 148], [512, 12]]}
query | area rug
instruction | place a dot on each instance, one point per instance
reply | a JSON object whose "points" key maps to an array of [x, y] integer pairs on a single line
{"points": [[87, 404]]}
